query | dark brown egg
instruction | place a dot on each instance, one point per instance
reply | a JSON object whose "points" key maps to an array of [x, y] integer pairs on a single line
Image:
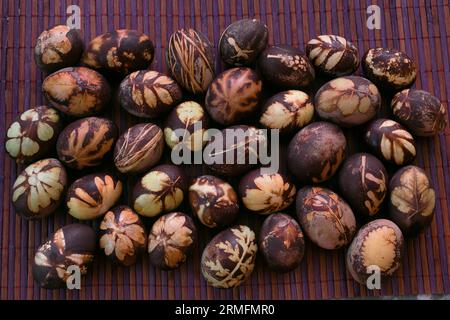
{"points": [[149, 94], [412, 200], [70, 248], [286, 67], [390, 141], [316, 152], [57, 48], [281, 242], [84, 143], [38, 190], [266, 192], [171, 240], [160, 190], [77, 91], [234, 96], [287, 111], [139, 148], [363, 183], [213, 201], [229, 258], [333, 55], [119, 52], [190, 58], [389, 69], [242, 42], [122, 235], [421, 112], [93, 195], [33, 134], [348, 101], [377, 246]]}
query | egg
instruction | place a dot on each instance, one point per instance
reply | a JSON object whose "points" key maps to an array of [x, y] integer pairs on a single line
{"points": [[228, 259]]}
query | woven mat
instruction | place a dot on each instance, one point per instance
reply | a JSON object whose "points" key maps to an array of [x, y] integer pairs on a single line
{"points": [[421, 28]]}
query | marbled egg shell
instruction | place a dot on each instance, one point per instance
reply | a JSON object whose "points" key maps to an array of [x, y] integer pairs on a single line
{"points": [[93, 195], [266, 192], [316, 152], [333, 55], [57, 48], [33, 134], [119, 52], [139, 148], [229, 258], [281, 242], [390, 141], [325, 217], [378, 244], [72, 245], [84, 143], [348, 101], [190, 57], [148, 94], [122, 235], [363, 183], [38, 190], [286, 67], [421, 112], [234, 96], [412, 199], [242, 42], [287, 111], [160, 190], [389, 69], [213, 201], [77, 91]]}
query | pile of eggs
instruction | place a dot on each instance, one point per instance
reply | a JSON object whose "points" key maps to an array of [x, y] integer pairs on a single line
{"points": [[77, 91]]}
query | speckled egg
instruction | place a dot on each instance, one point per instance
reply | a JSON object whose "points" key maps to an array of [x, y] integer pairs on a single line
{"points": [[38, 189], [421, 112], [229, 258]]}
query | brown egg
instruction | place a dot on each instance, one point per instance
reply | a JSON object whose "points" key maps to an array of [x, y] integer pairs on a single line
{"points": [[266, 192], [348, 101], [332, 55], [190, 58], [84, 143], [38, 190], [122, 235], [229, 258], [421, 112], [378, 245], [119, 52], [281, 242], [316, 152], [390, 141], [77, 91], [326, 219], [213, 201], [160, 190], [389, 69], [171, 240], [33, 134], [57, 48], [93, 195], [139, 148], [234, 96], [287, 111], [71, 246], [412, 200], [149, 94]]}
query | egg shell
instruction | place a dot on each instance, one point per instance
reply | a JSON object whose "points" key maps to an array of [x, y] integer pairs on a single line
{"points": [[72, 245], [228, 259], [39, 188]]}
